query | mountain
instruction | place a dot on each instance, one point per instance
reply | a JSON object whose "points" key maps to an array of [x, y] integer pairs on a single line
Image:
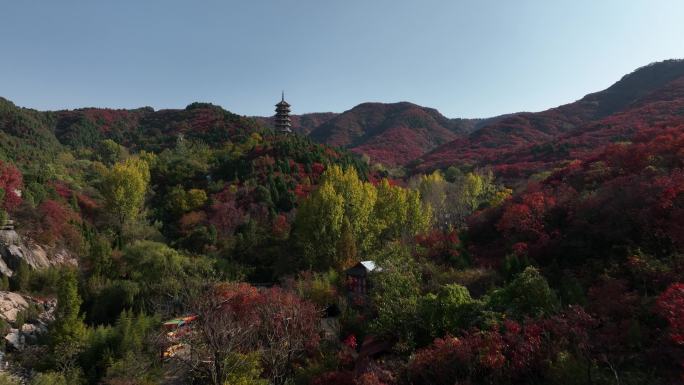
{"points": [[391, 134], [26, 135], [529, 140], [147, 128], [202, 214]]}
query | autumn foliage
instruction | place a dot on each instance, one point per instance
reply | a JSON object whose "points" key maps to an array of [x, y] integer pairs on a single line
{"points": [[671, 306], [11, 184]]}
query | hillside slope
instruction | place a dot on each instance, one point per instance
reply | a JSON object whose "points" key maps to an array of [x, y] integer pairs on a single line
{"points": [[649, 94], [393, 133], [147, 128]]}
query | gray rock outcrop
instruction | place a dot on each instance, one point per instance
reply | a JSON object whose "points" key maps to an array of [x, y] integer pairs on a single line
{"points": [[11, 304], [14, 249]]}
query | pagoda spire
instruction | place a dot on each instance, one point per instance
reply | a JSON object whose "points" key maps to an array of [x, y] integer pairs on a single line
{"points": [[282, 116]]}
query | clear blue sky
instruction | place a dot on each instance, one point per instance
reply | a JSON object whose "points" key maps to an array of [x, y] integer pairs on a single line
{"points": [[467, 58]]}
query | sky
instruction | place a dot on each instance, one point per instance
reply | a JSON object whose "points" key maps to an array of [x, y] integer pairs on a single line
{"points": [[467, 58]]}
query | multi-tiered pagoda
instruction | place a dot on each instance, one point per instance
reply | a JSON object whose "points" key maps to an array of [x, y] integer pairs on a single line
{"points": [[282, 116]]}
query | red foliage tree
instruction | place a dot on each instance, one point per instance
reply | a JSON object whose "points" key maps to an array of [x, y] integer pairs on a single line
{"points": [[55, 223], [441, 245], [317, 168], [501, 355], [239, 318], [281, 227], [11, 183], [225, 213], [340, 377], [670, 305]]}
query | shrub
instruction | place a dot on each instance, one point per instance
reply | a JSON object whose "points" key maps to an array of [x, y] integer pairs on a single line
{"points": [[48, 378]]}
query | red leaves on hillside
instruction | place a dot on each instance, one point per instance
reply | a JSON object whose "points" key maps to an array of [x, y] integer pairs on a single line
{"points": [[108, 119], [225, 213], [525, 143], [62, 189], [524, 221], [190, 221], [670, 305], [335, 378], [55, 223], [507, 353], [87, 204], [628, 194], [391, 134], [11, 183], [280, 325], [317, 168], [281, 227], [397, 146], [440, 245], [302, 191]]}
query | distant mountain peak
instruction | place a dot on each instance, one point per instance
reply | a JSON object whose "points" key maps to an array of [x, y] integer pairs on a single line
{"points": [[649, 96], [391, 133]]}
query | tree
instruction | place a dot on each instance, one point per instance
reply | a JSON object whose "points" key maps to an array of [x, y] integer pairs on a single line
{"points": [[453, 201], [55, 223], [67, 333], [358, 201], [345, 210], [399, 212], [111, 152], [7, 379], [219, 334], [346, 247], [288, 330], [433, 192], [48, 378], [670, 305], [395, 293], [528, 294], [448, 311], [224, 214], [318, 226], [246, 370], [11, 183], [161, 273], [124, 186], [511, 352], [179, 201], [237, 324], [188, 161]]}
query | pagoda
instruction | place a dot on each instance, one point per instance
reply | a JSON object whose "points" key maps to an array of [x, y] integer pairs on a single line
{"points": [[282, 116]]}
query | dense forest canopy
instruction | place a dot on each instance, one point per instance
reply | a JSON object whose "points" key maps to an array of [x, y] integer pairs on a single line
{"points": [[197, 246]]}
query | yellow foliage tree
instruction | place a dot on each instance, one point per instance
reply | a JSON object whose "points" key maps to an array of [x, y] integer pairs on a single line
{"points": [[399, 212], [124, 186], [347, 217], [318, 226]]}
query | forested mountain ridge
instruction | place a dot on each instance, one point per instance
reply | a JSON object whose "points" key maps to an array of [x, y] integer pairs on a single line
{"points": [[388, 133], [209, 249], [534, 141], [403, 133]]}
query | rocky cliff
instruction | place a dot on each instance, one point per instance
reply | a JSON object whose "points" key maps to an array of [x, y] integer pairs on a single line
{"points": [[14, 249]]}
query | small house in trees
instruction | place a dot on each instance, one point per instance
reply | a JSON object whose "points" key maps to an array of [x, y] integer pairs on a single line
{"points": [[357, 277]]}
